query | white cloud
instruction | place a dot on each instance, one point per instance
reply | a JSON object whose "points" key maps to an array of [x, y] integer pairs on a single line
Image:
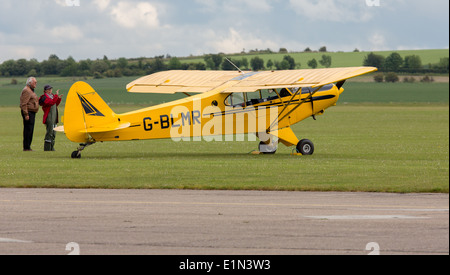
{"points": [[237, 6], [235, 42], [132, 15], [66, 33], [102, 4], [16, 52], [333, 10], [377, 42]]}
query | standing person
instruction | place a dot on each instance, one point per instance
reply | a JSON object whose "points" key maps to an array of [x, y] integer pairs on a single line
{"points": [[29, 106], [50, 103]]}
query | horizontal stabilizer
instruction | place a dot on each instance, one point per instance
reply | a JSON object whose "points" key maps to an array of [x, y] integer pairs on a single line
{"points": [[106, 128], [59, 129]]}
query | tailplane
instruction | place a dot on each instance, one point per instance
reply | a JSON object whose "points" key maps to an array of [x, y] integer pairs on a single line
{"points": [[86, 113]]}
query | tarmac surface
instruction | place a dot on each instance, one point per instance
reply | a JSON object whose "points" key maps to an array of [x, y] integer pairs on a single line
{"points": [[191, 222]]}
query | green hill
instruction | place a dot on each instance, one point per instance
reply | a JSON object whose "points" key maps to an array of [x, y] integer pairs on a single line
{"points": [[339, 59]]}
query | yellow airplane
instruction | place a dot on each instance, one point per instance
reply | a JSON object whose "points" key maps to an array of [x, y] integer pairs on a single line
{"points": [[218, 104]]}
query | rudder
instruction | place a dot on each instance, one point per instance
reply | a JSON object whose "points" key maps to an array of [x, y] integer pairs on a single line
{"points": [[85, 110]]}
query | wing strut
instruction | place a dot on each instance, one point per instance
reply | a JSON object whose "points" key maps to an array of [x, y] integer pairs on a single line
{"points": [[310, 97]]}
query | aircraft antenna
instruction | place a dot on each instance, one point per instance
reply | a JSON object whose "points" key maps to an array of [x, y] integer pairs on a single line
{"points": [[234, 65]]}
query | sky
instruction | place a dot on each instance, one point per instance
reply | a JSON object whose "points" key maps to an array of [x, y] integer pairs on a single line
{"points": [[91, 29]]}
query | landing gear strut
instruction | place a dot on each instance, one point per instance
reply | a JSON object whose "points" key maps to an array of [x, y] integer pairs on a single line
{"points": [[77, 154]]}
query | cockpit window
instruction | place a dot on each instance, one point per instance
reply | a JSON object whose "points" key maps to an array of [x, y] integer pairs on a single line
{"points": [[235, 99], [238, 99], [307, 90]]}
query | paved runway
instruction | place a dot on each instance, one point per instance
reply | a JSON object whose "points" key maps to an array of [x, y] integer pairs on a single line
{"points": [[186, 222]]}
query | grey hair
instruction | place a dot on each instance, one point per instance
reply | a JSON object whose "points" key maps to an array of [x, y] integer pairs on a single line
{"points": [[29, 80]]}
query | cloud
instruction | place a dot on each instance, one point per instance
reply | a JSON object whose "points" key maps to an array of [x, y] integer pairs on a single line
{"points": [[333, 10], [66, 33], [377, 42], [235, 42], [132, 15], [16, 52], [237, 6], [102, 4]]}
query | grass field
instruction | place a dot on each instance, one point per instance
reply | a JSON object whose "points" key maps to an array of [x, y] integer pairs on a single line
{"points": [[379, 148], [339, 59], [380, 138], [113, 91]]}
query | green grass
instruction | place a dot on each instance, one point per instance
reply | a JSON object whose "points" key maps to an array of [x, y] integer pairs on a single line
{"points": [[380, 138], [370, 147], [339, 59], [113, 91]]}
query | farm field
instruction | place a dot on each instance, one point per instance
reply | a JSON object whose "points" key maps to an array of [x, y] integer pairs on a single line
{"points": [[339, 59], [113, 91], [379, 138]]}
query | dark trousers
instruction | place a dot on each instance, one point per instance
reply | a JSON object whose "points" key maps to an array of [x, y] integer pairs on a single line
{"points": [[28, 130]]}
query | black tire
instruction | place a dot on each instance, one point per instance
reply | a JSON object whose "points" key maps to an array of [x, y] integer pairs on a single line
{"points": [[305, 147], [75, 155], [261, 149]]}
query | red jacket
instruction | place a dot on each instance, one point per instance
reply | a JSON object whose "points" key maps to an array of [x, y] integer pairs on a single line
{"points": [[46, 102]]}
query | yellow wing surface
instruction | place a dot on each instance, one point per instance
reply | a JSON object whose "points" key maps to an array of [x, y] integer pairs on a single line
{"points": [[203, 81]]}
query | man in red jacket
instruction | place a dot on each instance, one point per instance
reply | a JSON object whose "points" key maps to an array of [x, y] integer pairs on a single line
{"points": [[50, 103]]}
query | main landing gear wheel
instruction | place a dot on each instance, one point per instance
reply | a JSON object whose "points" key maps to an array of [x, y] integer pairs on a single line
{"points": [[305, 147], [269, 149]]}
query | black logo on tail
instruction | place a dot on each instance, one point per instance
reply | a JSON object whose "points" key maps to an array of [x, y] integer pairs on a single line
{"points": [[88, 107]]}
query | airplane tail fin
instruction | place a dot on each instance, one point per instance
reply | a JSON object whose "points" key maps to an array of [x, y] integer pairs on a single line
{"points": [[86, 114]]}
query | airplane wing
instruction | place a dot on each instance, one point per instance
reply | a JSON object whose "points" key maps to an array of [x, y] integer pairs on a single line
{"points": [[297, 78], [170, 82]]}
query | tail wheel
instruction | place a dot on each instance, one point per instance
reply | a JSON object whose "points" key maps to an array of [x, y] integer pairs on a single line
{"points": [[305, 147], [76, 155]]}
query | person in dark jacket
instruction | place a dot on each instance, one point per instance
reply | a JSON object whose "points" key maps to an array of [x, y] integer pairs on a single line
{"points": [[50, 103], [29, 106]]}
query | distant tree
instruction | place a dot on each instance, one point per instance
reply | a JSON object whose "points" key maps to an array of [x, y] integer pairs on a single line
{"points": [[283, 65], [283, 50], [156, 65], [227, 66], [122, 63], [213, 61], [412, 63], [269, 64], [52, 66], [244, 63], [325, 61], [427, 79], [378, 77], [393, 62], [391, 77], [323, 49], [257, 63], [307, 50], [99, 66], [174, 64], [313, 63], [374, 60], [291, 61], [71, 67]]}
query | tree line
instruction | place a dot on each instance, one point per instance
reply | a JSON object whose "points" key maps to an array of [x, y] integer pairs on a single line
{"points": [[143, 66], [409, 64]]}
